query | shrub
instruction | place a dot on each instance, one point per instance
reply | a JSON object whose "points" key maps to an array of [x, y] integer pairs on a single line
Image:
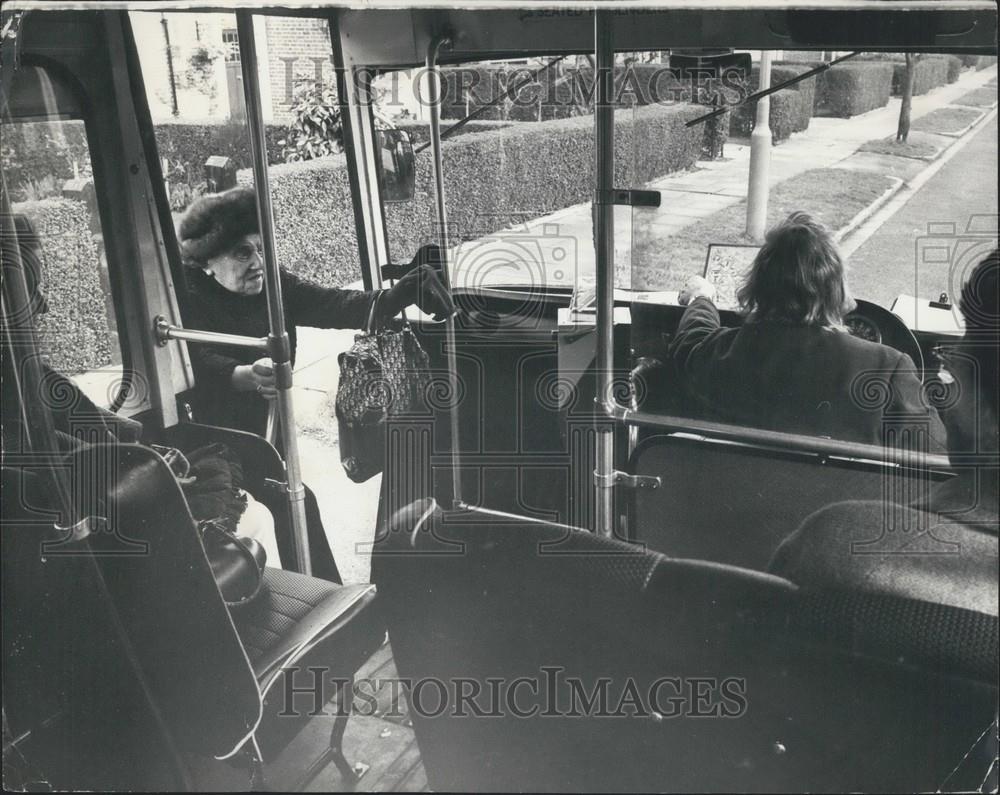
{"points": [[985, 61], [849, 89], [492, 180], [786, 112], [929, 72], [317, 131], [955, 67], [791, 108], [75, 334], [568, 91]]}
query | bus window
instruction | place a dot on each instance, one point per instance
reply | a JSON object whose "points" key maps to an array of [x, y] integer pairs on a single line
{"points": [[518, 177], [192, 70], [47, 166]]}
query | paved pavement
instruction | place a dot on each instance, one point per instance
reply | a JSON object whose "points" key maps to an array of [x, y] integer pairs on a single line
{"points": [[349, 509]]}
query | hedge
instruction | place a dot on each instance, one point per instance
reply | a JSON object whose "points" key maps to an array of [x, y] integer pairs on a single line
{"points": [[928, 73], [787, 109], [76, 333], [985, 61], [791, 108], [566, 94], [850, 89], [955, 67], [492, 181]]}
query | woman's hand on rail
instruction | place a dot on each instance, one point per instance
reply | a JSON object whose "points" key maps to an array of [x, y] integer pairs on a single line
{"points": [[421, 286], [257, 377]]}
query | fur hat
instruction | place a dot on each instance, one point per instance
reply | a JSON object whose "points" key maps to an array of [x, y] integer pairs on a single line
{"points": [[215, 223]]}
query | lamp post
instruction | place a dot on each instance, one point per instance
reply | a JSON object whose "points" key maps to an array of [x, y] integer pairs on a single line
{"points": [[760, 157]]}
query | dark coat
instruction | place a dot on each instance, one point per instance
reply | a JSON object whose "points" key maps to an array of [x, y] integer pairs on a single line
{"points": [[802, 379], [212, 307]]}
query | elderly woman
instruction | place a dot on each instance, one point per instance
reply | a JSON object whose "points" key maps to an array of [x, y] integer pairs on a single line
{"points": [[221, 246], [220, 242], [792, 366]]}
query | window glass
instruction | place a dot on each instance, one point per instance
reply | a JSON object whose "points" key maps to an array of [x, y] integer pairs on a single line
{"points": [[518, 178], [47, 167], [192, 69]]}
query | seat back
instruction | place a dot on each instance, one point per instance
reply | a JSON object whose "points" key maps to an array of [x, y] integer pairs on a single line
{"points": [[735, 503], [598, 666], [150, 587]]}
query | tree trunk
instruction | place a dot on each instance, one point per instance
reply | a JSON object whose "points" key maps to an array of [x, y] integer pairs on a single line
{"points": [[903, 130]]}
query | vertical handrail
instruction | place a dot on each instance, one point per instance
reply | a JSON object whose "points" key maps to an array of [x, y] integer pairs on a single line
{"points": [[435, 96], [280, 346], [604, 244]]}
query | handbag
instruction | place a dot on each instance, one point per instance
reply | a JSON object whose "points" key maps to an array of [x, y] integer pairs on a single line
{"points": [[211, 478], [384, 374]]}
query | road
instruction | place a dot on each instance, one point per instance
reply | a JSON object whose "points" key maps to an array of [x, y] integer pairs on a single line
{"points": [[895, 259]]}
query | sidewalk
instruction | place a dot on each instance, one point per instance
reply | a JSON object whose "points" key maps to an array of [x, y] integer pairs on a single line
{"points": [[713, 185], [349, 510]]}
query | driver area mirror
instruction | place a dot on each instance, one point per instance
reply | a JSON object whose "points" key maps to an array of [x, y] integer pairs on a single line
{"points": [[396, 164]]}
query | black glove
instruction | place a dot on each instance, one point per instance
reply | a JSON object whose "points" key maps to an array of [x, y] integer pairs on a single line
{"points": [[421, 286]]}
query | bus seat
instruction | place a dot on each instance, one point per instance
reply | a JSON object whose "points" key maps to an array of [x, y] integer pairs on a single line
{"points": [[213, 676], [734, 503], [477, 601], [925, 558]]}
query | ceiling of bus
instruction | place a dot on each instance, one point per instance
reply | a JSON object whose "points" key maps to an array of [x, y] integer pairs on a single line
{"points": [[400, 37]]}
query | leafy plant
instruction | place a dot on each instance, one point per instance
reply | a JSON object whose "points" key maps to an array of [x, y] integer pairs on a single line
{"points": [[43, 188], [317, 130]]}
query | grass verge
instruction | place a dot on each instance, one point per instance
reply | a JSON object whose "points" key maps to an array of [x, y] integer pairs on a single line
{"points": [[946, 121], [919, 150], [979, 97], [833, 195]]}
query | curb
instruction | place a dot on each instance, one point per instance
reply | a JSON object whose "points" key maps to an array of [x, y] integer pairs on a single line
{"points": [[870, 210], [858, 236], [960, 133]]}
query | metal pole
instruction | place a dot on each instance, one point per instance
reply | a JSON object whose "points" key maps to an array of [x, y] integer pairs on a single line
{"points": [[175, 109], [760, 157], [278, 337], [434, 76], [604, 242]]}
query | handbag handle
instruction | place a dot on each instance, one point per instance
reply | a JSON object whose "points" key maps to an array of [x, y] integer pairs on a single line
{"points": [[243, 549]]}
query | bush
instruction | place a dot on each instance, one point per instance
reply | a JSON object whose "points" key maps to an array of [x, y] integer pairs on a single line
{"points": [[985, 61], [566, 93], [929, 72], [955, 67], [791, 108], [420, 131], [75, 334], [849, 89], [492, 180], [787, 110]]}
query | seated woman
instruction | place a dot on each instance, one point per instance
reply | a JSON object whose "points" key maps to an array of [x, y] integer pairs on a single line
{"points": [[792, 366], [943, 549], [211, 485]]}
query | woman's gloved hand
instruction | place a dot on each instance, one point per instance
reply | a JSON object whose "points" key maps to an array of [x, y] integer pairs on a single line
{"points": [[421, 286]]}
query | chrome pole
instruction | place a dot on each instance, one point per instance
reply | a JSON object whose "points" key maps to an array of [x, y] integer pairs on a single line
{"points": [[434, 78], [604, 243], [280, 346]]}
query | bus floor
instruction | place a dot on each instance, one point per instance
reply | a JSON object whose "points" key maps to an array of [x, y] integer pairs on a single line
{"points": [[378, 735]]}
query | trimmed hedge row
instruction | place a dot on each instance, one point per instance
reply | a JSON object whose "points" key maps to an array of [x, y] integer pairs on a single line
{"points": [[556, 94], [791, 108], [955, 67], [532, 169], [492, 180], [785, 112], [850, 89], [928, 73], [75, 334]]}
